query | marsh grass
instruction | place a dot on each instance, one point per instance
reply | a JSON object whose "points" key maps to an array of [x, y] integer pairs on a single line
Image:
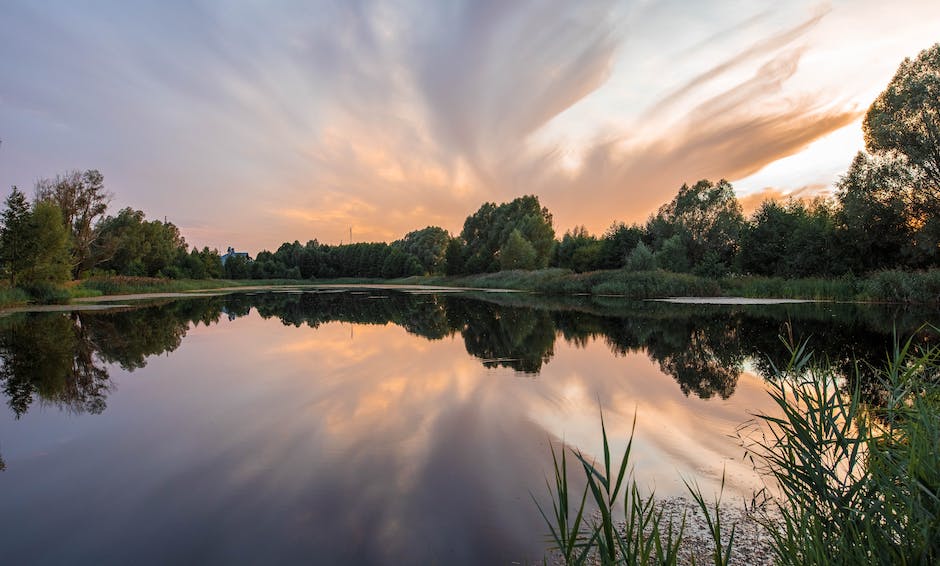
{"points": [[847, 482], [12, 296], [121, 285], [858, 483], [588, 532]]}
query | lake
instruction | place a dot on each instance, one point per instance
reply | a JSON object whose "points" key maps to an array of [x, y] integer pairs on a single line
{"points": [[358, 426]]}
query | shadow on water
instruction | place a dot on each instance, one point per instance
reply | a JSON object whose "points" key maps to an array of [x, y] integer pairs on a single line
{"points": [[61, 359]]}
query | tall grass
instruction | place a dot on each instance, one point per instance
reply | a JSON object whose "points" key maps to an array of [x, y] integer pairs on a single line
{"points": [[859, 483], [848, 481], [589, 533], [12, 296]]}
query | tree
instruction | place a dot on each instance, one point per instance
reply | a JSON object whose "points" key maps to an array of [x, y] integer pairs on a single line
{"points": [[82, 200], [16, 243], [486, 231], [618, 241], [791, 240], [49, 260], [428, 246], [517, 253], [706, 217], [876, 223], [906, 118], [128, 244], [454, 257], [578, 251], [640, 259], [673, 256]]}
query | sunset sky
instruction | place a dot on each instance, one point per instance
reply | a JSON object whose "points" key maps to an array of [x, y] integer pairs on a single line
{"points": [[251, 123]]}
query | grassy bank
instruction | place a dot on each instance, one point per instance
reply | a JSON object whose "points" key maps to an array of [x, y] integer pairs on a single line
{"points": [[851, 481], [886, 286], [883, 287]]}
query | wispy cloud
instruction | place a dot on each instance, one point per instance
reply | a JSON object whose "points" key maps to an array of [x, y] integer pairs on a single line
{"points": [[253, 125]]}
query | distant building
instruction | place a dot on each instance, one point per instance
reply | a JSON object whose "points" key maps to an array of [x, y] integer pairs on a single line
{"points": [[232, 253]]}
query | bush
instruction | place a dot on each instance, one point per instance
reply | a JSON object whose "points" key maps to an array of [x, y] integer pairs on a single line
{"points": [[47, 294]]}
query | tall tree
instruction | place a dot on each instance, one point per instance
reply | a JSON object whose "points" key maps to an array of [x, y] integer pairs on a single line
{"points": [[708, 219], [428, 246], [487, 230], [82, 199], [16, 237], [49, 258], [517, 252], [906, 118], [876, 223]]}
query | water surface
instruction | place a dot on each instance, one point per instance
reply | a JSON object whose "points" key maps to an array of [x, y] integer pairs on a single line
{"points": [[368, 426]]}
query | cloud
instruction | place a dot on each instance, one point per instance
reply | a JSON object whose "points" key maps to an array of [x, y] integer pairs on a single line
{"points": [[751, 202], [253, 125]]}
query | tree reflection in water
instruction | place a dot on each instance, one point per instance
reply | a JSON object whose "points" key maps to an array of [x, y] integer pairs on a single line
{"points": [[62, 359]]}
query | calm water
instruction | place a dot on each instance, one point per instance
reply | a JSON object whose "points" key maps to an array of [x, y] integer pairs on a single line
{"points": [[367, 427]]}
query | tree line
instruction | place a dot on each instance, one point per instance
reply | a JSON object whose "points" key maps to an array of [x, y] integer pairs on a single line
{"points": [[885, 214], [66, 233]]}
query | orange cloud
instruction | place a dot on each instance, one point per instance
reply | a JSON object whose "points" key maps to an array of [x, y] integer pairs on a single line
{"points": [[751, 202]]}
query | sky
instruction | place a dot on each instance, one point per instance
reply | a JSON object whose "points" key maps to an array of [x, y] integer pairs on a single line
{"points": [[249, 123]]}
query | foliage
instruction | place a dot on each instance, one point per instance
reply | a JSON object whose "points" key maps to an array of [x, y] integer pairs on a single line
{"points": [[618, 241], [49, 260], [486, 231], [794, 239], [428, 246], [16, 243], [877, 223], [641, 259], [454, 257], [706, 217], [860, 483], [905, 118], [673, 255], [517, 253], [578, 251], [33, 243], [82, 200], [128, 244]]}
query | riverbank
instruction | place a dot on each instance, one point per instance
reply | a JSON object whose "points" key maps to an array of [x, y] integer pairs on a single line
{"points": [[882, 287]]}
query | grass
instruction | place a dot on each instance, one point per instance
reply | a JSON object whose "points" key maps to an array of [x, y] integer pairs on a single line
{"points": [[849, 482], [122, 285], [13, 296], [883, 287], [886, 286]]}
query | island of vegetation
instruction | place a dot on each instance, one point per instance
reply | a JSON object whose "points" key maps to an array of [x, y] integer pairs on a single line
{"points": [[877, 238]]}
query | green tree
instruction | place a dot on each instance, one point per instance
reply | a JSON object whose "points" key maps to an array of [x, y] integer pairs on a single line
{"points": [[454, 262], [708, 219], [517, 253], [876, 223], [640, 259], [82, 200], [49, 260], [790, 240], [16, 238], [486, 231], [906, 118], [578, 251], [673, 256], [617, 243], [128, 244], [428, 246]]}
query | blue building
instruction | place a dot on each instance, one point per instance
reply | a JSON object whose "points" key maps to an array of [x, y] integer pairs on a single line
{"points": [[232, 253]]}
